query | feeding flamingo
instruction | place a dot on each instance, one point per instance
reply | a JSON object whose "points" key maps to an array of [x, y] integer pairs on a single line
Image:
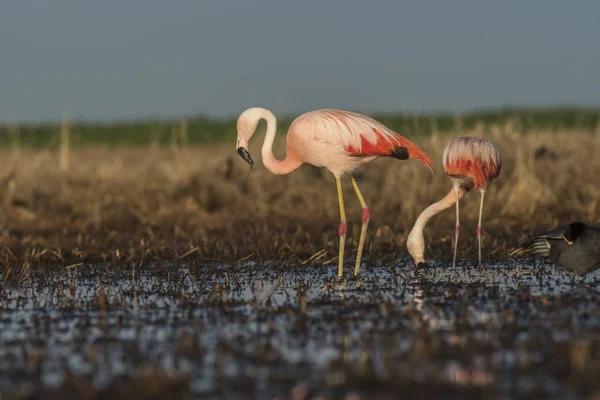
{"points": [[470, 162], [338, 140]]}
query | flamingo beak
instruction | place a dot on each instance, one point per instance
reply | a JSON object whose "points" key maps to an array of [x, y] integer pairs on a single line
{"points": [[245, 155]]}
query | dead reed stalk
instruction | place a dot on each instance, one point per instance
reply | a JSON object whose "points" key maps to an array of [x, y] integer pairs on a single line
{"points": [[13, 130], [183, 133], [64, 143]]}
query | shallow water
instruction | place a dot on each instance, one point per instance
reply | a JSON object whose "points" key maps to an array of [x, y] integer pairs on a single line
{"points": [[258, 331]]}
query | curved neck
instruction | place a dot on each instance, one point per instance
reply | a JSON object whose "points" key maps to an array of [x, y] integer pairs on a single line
{"points": [[437, 208], [285, 166], [415, 241]]}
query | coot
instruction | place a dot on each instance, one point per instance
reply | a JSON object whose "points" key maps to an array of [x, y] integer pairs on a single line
{"points": [[574, 247]]}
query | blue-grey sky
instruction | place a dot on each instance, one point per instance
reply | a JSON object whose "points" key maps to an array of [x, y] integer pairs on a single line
{"points": [[113, 59]]}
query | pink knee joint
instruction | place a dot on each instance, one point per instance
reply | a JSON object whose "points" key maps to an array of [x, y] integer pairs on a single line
{"points": [[366, 215], [343, 228], [479, 230], [457, 228]]}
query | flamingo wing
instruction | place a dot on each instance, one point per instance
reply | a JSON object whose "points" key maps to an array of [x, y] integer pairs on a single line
{"points": [[472, 157], [360, 135]]}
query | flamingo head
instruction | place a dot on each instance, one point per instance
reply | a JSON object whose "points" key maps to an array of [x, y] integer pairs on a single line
{"points": [[574, 230], [246, 126], [416, 247]]}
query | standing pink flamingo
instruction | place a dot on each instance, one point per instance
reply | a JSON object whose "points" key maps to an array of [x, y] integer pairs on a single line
{"points": [[337, 140], [470, 162]]}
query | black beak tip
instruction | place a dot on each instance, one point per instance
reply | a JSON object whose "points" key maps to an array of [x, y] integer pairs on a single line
{"points": [[245, 155], [422, 265]]}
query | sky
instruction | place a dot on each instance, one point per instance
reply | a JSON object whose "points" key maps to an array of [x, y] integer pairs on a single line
{"points": [[129, 59]]}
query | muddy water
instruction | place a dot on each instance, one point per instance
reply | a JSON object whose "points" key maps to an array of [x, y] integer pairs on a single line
{"points": [[259, 331]]}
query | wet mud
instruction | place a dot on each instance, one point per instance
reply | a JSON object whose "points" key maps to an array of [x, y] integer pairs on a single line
{"points": [[266, 331]]}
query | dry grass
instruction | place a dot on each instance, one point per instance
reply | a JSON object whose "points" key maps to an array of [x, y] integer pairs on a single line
{"points": [[181, 203]]}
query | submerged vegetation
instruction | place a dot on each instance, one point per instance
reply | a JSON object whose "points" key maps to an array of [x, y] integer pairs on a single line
{"points": [[260, 331]]}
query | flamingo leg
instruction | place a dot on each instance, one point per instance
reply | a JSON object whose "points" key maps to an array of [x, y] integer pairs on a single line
{"points": [[343, 227], [479, 223], [457, 230], [365, 222]]}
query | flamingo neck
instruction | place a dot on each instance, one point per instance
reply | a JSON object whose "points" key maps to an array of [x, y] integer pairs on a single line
{"points": [[416, 242], [290, 163]]}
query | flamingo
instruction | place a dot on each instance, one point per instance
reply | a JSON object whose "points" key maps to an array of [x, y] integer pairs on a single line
{"points": [[337, 140], [470, 162]]}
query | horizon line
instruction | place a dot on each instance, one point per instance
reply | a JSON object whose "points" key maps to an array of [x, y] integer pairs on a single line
{"points": [[203, 115]]}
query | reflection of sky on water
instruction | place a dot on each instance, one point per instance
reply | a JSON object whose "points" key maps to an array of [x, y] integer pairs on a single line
{"points": [[252, 321]]}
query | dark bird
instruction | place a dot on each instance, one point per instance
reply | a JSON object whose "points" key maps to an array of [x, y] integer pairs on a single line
{"points": [[574, 247]]}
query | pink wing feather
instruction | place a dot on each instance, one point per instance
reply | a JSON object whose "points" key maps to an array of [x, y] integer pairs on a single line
{"points": [[473, 157], [360, 135]]}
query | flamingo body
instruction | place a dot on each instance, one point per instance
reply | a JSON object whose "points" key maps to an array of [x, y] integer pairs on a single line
{"points": [[337, 140], [470, 162], [473, 161], [342, 140]]}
